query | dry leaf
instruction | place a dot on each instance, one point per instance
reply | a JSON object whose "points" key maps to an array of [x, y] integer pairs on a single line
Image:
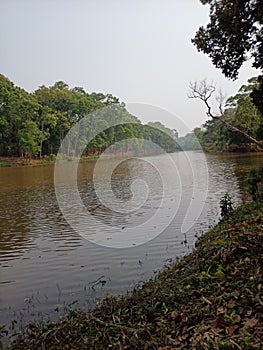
{"points": [[251, 322]]}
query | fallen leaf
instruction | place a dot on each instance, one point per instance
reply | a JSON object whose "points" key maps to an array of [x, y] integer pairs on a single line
{"points": [[251, 322]]}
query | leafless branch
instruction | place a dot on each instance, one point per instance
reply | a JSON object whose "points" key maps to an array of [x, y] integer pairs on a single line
{"points": [[203, 91]]}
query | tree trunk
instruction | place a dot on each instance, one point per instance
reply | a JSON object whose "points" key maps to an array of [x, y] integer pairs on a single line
{"points": [[236, 130]]}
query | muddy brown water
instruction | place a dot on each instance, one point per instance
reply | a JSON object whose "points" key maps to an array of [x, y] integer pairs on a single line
{"points": [[47, 268]]}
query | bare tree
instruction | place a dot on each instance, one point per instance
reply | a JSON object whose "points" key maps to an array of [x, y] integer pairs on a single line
{"points": [[203, 91]]}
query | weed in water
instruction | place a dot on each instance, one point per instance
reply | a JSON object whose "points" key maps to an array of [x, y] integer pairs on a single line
{"points": [[226, 205]]}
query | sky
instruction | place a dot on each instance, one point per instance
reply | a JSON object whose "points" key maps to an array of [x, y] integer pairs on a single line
{"points": [[139, 51]]}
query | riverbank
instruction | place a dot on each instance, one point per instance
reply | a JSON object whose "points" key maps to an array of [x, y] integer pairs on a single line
{"points": [[210, 299], [6, 162]]}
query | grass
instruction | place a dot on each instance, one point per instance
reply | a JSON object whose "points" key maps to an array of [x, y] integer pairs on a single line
{"points": [[6, 162], [210, 299], [15, 162]]}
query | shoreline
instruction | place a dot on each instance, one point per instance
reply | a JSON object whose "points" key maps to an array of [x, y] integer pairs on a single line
{"points": [[209, 299], [10, 162]]}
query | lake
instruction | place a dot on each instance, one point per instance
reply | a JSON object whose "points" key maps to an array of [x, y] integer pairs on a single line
{"points": [[48, 267]]}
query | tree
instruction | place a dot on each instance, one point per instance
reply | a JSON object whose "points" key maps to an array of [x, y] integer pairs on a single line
{"points": [[204, 92], [216, 136], [192, 140], [61, 108], [29, 136], [35, 124], [234, 35], [171, 132], [17, 107], [257, 96], [245, 114]]}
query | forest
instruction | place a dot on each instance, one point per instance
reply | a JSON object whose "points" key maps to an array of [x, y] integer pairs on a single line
{"points": [[33, 125]]}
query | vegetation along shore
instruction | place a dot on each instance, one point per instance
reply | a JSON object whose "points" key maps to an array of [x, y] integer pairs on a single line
{"points": [[209, 299]]}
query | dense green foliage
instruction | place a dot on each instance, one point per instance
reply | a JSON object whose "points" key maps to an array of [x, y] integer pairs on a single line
{"points": [[234, 35], [191, 140], [240, 112], [34, 124]]}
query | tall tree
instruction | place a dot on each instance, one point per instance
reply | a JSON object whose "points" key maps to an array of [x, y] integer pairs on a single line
{"points": [[234, 35], [29, 136], [17, 107], [241, 113], [204, 91], [245, 114]]}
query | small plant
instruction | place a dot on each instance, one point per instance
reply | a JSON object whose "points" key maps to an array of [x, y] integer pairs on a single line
{"points": [[226, 205], [253, 180]]}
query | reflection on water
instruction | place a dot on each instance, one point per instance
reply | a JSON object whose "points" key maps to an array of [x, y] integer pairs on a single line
{"points": [[46, 266]]}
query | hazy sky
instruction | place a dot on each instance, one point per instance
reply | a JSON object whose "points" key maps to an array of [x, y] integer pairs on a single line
{"points": [[138, 50]]}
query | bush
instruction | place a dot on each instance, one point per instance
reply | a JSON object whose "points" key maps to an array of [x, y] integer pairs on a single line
{"points": [[253, 180]]}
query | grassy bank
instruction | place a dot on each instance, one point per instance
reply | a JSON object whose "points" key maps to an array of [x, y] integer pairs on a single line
{"points": [[210, 299], [6, 162]]}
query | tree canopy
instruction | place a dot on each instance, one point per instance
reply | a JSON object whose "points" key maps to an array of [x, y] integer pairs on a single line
{"points": [[234, 34], [34, 124], [241, 113]]}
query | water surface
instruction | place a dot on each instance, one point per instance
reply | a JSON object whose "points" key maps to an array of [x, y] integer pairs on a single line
{"points": [[46, 267]]}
